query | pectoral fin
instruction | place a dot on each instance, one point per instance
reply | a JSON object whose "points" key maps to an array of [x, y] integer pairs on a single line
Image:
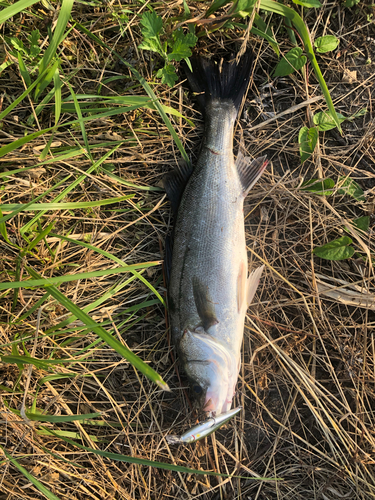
{"points": [[204, 304], [252, 283], [250, 171], [241, 286]]}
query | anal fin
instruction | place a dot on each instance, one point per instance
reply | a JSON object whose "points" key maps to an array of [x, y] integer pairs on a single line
{"points": [[252, 283], [250, 171]]}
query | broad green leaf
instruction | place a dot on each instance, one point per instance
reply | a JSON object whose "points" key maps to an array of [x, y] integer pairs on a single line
{"points": [[181, 45], [168, 75], [310, 4], [151, 44], [243, 7], [323, 187], [326, 43], [45, 491], [336, 250], [34, 43], [307, 138], [295, 18], [292, 61], [350, 188], [351, 3], [103, 334], [152, 25], [325, 121], [362, 223]]}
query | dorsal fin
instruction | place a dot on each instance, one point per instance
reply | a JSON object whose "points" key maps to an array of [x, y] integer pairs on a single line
{"points": [[205, 306], [174, 183], [250, 171]]}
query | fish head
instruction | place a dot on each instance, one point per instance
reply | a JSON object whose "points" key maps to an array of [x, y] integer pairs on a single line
{"points": [[211, 368]]}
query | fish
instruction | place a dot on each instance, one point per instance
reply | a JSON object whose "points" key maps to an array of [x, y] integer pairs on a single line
{"points": [[209, 288], [203, 429]]}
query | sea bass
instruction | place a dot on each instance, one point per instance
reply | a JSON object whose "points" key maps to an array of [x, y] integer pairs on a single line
{"points": [[209, 288]]}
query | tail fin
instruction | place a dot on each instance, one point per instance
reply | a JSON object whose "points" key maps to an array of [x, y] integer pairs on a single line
{"points": [[212, 81]]}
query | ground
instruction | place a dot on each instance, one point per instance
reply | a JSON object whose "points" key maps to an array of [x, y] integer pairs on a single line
{"points": [[308, 370]]}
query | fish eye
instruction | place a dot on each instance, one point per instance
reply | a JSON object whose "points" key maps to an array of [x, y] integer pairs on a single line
{"points": [[197, 389]]}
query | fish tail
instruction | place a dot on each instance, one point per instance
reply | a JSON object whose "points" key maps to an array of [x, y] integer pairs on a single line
{"points": [[227, 81]]}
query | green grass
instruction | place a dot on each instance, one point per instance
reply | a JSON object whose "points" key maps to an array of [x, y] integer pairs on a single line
{"points": [[88, 131]]}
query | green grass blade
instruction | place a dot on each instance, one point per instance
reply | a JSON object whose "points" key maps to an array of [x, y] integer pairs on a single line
{"points": [[67, 434], [27, 207], [55, 159], [80, 121], [4, 150], [45, 491], [14, 9], [147, 88], [15, 103], [291, 14], [23, 70], [67, 190], [56, 419], [115, 259], [42, 364], [62, 21], [18, 210], [58, 99], [158, 465], [3, 229], [104, 335], [67, 278], [48, 77]]}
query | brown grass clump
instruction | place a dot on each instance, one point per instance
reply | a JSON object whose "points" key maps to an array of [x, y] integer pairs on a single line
{"points": [[308, 373]]}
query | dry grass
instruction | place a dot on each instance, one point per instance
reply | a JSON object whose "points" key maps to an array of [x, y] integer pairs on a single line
{"points": [[308, 375]]}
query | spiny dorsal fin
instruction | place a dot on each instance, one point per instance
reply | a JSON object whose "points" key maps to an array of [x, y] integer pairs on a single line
{"points": [[174, 183], [253, 282], [250, 171], [205, 306]]}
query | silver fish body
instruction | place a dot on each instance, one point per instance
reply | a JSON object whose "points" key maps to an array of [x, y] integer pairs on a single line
{"points": [[209, 289]]}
